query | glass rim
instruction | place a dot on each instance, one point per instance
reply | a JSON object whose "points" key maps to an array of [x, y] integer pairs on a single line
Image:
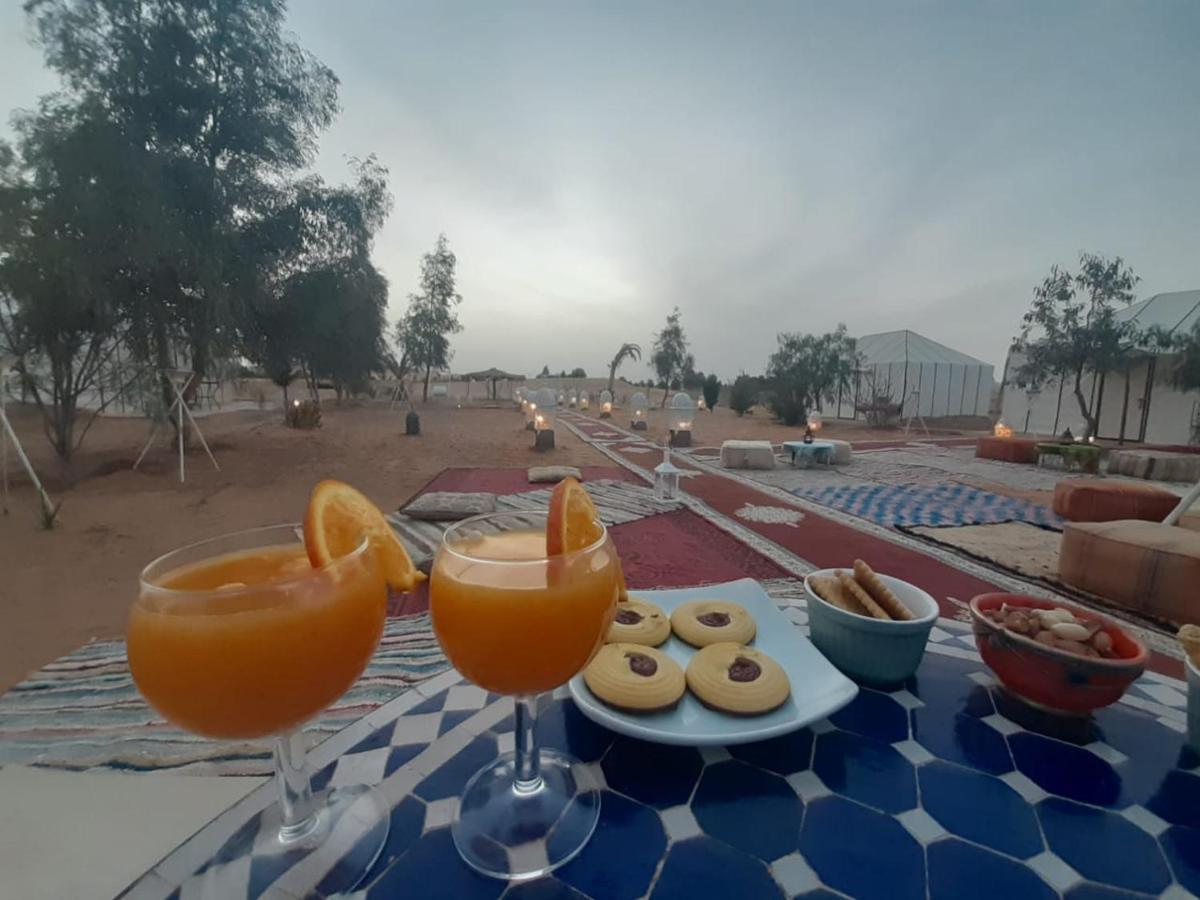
{"points": [[295, 529], [535, 561]]}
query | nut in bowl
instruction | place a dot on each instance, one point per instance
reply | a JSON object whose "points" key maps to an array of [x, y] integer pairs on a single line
{"points": [[873, 627], [1058, 672]]}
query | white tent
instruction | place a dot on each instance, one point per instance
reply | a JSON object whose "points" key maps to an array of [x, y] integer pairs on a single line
{"points": [[930, 379]]}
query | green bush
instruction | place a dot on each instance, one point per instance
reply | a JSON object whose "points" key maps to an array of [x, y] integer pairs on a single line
{"points": [[742, 395], [712, 391]]}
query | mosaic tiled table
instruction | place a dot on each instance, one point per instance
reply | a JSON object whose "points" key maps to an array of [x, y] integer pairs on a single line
{"points": [[941, 787]]}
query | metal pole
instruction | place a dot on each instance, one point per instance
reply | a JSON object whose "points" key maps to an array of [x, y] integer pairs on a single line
{"points": [[12, 436], [4, 438], [199, 433], [179, 401]]}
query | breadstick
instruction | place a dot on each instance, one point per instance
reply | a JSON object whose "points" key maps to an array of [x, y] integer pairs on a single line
{"points": [[830, 590], [854, 589], [880, 592]]}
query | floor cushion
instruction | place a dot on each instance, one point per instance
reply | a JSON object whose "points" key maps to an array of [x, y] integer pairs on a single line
{"points": [[747, 455], [1007, 449], [1147, 567], [1105, 500]]}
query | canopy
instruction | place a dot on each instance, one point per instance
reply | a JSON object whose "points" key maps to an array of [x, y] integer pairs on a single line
{"points": [[491, 376], [928, 378]]}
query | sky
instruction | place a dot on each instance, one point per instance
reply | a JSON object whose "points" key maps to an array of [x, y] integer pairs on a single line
{"points": [[764, 167]]}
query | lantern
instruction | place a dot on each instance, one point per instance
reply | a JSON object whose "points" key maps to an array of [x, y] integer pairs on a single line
{"points": [[1002, 430], [583, 400], [606, 404], [562, 399], [666, 478], [573, 400], [638, 414], [681, 414], [530, 408], [815, 423], [543, 420], [700, 404]]}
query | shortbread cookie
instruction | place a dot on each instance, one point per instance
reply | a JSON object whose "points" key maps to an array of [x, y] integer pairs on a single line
{"points": [[638, 622], [635, 678], [704, 622], [736, 679]]}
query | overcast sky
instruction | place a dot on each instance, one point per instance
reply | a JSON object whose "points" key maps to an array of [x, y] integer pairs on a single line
{"points": [[765, 167]]}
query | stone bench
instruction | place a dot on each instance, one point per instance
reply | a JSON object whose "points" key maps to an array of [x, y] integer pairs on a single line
{"points": [[747, 455]]}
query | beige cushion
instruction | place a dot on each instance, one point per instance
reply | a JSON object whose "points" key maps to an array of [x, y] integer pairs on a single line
{"points": [[841, 451], [553, 474], [747, 455], [450, 506], [1147, 567]]}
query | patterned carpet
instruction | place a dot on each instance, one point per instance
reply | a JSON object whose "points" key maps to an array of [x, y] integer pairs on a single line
{"points": [[83, 711], [945, 504]]}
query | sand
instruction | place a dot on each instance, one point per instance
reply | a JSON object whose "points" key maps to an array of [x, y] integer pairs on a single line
{"points": [[61, 588]]}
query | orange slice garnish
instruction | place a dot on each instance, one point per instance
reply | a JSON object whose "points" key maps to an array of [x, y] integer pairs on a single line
{"points": [[337, 520], [573, 523]]}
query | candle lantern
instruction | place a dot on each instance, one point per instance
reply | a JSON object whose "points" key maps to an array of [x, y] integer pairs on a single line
{"points": [[573, 400], [543, 420], [562, 399], [530, 408], [584, 402], [681, 413], [666, 478], [606, 404], [639, 405]]}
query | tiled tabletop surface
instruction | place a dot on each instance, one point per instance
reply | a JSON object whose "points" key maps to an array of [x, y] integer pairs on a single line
{"points": [[943, 787]]}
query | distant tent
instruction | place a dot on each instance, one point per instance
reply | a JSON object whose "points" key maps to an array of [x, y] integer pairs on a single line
{"points": [[491, 376], [928, 378]]}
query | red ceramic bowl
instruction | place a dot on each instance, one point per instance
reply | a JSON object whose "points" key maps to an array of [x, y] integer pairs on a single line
{"points": [[1052, 678]]}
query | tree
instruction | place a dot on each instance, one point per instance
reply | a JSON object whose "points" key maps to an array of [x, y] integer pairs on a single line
{"points": [[626, 351], [217, 106], [743, 394], [545, 373], [1072, 328], [431, 316], [807, 369], [58, 269], [578, 372], [712, 391], [670, 358]]}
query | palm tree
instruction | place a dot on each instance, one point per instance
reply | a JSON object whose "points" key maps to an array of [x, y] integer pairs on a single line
{"points": [[627, 351]]}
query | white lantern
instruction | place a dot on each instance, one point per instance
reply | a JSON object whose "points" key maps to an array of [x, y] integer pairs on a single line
{"points": [[562, 399], [666, 478], [639, 404], [606, 404], [584, 402], [679, 420], [529, 406], [543, 418], [573, 400]]}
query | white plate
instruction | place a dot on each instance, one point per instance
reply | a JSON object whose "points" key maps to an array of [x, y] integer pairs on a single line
{"points": [[818, 689]]}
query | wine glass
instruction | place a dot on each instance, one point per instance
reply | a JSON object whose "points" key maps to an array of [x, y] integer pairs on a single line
{"points": [[517, 621], [239, 637]]}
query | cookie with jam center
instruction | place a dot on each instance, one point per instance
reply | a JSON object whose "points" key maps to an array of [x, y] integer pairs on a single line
{"points": [[704, 622], [733, 678], [635, 678], [638, 621]]}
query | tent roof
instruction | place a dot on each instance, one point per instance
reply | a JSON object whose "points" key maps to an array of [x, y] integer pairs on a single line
{"points": [[489, 374], [1176, 312], [908, 346]]}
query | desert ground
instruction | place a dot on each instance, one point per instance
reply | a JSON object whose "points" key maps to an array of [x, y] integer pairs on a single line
{"points": [[63, 587]]}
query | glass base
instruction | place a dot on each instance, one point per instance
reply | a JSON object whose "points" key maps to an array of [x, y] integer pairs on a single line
{"points": [[516, 832], [337, 846]]}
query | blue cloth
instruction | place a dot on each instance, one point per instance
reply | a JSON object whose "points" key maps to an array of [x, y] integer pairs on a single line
{"points": [[946, 504]]}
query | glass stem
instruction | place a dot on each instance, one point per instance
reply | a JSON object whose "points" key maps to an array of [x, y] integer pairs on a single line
{"points": [[527, 764], [299, 812]]}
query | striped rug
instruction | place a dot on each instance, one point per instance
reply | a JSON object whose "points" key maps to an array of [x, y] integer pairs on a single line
{"points": [[895, 505], [83, 711]]}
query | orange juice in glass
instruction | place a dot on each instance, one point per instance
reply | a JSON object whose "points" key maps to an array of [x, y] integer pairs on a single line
{"points": [[516, 620], [241, 637]]}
